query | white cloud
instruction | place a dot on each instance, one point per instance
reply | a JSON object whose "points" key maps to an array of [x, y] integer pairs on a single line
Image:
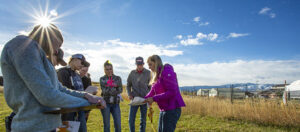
{"points": [[267, 11], [239, 71], [236, 35], [54, 13], [199, 22], [23, 32], [198, 40], [121, 54], [212, 36], [264, 10], [171, 46], [191, 41], [272, 15], [179, 36], [196, 19], [204, 24]]}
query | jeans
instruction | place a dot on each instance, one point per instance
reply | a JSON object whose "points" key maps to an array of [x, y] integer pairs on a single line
{"points": [[114, 109], [132, 115], [76, 116], [168, 120]]}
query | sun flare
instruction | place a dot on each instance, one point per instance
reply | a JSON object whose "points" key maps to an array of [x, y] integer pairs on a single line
{"points": [[44, 21]]}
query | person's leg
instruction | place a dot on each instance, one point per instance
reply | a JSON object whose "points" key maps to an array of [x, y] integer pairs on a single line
{"points": [[132, 115], [106, 117], [82, 120], [116, 113], [170, 119], [87, 115], [160, 122], [143, 119]]}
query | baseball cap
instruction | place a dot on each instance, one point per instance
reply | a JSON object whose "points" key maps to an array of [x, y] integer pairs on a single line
{"points": [[60, 57], [139, 61], [82, 58]]}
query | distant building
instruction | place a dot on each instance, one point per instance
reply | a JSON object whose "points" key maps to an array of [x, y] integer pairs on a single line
{"points": [[271, 93], [226, 93], [279, 86], [202, 92], [293, 90]]}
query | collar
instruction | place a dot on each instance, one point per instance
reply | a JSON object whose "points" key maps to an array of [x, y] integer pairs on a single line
{"points": [[140, 71]]}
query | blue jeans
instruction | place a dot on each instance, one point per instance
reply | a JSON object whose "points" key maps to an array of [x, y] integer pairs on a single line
{"points": [[76, 116], [168, 120], [114, 109], [132, 115]]}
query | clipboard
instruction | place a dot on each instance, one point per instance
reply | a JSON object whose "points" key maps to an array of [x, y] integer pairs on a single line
{"points": [[69, 110]]}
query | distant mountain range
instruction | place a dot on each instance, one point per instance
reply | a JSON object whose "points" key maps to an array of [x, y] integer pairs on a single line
{"points": [[242, 86]]}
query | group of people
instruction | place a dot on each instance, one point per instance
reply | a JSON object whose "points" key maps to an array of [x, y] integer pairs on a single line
{"points": [[33, 86]]}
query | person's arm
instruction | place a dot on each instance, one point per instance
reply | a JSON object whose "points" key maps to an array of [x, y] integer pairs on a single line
{"points": [[148, 80], [120, 87], [150, 94], [129, 84], [104, 89], [79, 94], [28, 61], [64, 77], [89, 81], [169, 81]]}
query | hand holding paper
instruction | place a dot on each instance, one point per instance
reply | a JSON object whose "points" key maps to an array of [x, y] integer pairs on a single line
{"points": [[91, 89], [95, 100]]}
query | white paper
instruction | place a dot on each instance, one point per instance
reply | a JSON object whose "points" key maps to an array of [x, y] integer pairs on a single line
{"points": [[137, 101], [91, 90], [73, 126]]}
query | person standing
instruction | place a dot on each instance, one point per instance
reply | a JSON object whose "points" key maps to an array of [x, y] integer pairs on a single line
{"points": [[111, 86], [165, 91], [138, 86], [70, 78]]}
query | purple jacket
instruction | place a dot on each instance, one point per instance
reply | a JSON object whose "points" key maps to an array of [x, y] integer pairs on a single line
{"points": [[165, 91]]}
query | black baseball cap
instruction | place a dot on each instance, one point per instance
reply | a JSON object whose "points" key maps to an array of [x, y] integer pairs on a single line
{"points": [[139, 60]]}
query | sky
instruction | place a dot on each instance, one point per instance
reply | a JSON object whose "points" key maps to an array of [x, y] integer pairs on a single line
{"points": [[208, 42]]}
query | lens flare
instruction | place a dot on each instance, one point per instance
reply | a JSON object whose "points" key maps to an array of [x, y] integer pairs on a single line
{"points": [[44, 21]]}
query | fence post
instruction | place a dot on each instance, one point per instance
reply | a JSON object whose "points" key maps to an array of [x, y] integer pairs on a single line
{"points": [[231, 94]]}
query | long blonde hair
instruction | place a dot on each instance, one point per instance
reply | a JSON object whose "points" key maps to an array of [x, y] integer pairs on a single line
{"points": [[157, 64], [45, 36]]}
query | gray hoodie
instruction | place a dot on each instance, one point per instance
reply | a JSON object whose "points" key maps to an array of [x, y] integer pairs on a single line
{"points": [[31, 87]]}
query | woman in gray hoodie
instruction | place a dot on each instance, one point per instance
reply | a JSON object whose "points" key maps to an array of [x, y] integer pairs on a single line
{"points": [[31, 84]]}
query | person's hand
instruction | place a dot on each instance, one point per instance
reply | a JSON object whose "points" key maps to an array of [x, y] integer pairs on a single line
{"points": [[95, 100], [101, 104], [149, 101], [130, 97]]}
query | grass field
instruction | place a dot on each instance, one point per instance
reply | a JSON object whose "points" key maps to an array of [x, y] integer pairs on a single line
{"points": [[188, 121]]}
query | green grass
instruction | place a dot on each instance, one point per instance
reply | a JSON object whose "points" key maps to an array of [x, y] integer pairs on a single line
{"points": [[188, 123]]}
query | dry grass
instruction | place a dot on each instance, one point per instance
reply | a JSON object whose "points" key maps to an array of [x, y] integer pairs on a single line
{"points": [[1, 89], [266, 112]]}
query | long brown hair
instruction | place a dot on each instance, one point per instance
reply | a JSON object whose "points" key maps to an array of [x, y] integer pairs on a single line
{"points": [[157, 64], [45, 37]]}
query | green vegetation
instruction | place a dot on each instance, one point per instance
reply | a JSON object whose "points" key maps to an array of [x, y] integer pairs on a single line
{"points": [[187, 122]]}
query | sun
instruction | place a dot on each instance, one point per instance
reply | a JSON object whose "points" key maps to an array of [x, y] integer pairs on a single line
{"points": [[43, 16], [44, 21]]}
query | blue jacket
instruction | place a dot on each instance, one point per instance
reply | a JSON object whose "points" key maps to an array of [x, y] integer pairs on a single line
{"points": [[31, 87]]}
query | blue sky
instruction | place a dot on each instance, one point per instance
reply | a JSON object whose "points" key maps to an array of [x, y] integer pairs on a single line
{"points": [[208, 42]]}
